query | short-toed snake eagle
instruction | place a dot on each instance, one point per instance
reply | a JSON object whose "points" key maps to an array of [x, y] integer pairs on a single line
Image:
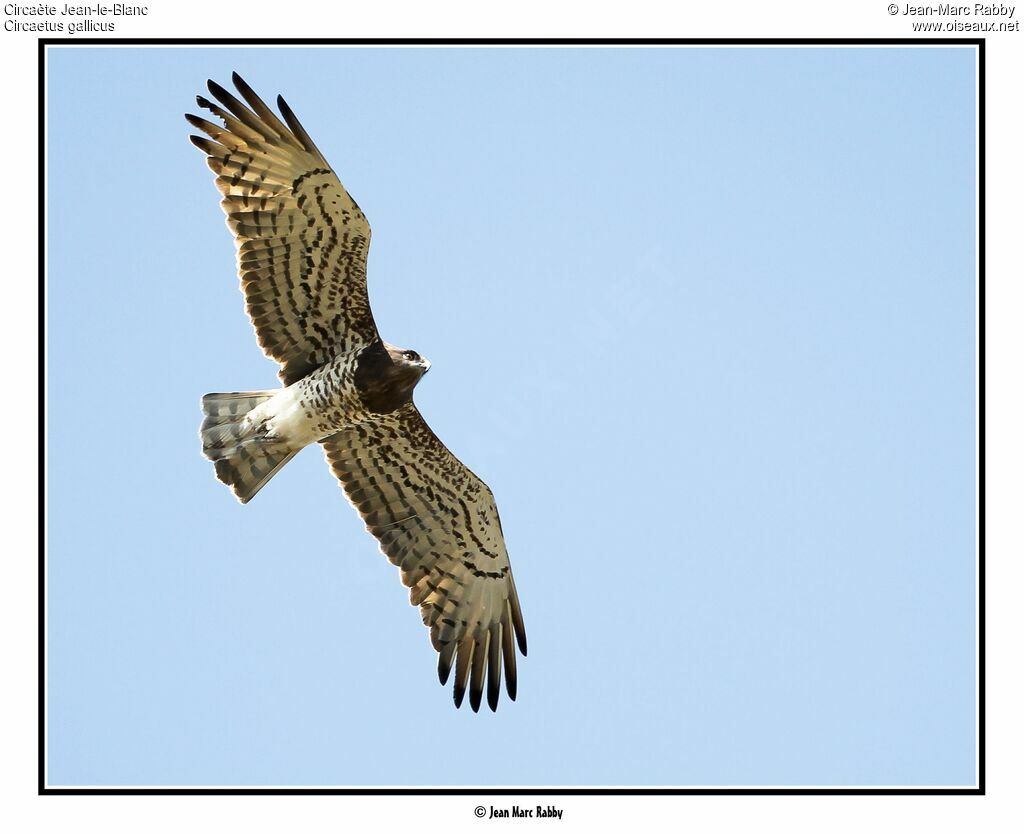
{"points": [[302, 243]]}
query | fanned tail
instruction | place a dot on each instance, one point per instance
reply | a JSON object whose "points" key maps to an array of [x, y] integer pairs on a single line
{"points": [[243, 456]]}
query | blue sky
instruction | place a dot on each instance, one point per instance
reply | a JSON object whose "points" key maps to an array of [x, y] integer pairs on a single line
{"points": [[704, 319]]}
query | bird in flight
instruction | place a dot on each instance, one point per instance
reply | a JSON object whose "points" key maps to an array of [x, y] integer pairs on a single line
{"points": [[301, 245]]}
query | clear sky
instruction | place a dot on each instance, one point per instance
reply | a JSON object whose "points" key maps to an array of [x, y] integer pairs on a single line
{"points": [[704, 319]]}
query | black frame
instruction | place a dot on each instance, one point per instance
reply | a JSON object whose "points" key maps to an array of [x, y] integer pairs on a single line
{"points": [[43, 43]]}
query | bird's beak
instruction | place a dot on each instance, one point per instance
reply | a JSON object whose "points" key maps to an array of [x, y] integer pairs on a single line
{"points": [[426, 365]]}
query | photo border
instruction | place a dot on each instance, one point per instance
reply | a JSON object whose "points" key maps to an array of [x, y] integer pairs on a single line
{"points": [[979, 790]]}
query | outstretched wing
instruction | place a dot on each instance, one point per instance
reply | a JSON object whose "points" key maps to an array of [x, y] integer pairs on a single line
{"points": [[438, 522], [302, 240]]}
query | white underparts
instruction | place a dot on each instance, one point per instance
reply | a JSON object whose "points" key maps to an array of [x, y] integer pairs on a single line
{"points": [[284, 418]]}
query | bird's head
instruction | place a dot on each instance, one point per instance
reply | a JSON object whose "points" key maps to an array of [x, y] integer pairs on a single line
{"points": [[408, 362], [385, 375]]}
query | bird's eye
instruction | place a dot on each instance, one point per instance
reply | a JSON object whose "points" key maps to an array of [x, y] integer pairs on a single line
{"points": [[411, 355]]}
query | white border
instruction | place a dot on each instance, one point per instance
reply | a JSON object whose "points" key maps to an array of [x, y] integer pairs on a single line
{"points": [[525, 789]]}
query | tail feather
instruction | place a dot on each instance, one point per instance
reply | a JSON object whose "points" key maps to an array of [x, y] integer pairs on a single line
{"points": [[230, 408], [244, 457]]}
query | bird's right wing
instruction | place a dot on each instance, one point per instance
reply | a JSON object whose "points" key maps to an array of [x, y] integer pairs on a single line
{"points": [[302, 240], [438, 522]]}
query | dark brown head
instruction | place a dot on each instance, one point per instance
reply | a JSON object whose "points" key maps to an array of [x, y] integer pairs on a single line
{"points": [[386, 375]]}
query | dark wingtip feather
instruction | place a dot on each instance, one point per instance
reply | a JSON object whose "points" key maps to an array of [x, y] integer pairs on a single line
{"points": [[444, 662], [265, 114], [296, 127], [242, 86], [494, 667], [221, 94], [520, 627], [517, 616], [508, 652], [463, 664], [286, 111], [205, 103], [478, 673]]}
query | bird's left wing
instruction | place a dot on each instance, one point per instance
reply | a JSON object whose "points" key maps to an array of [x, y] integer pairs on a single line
{"points": [[302, 240], [438, 522]]}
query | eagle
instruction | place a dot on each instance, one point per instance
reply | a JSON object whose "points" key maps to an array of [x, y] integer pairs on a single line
{"points": [[302, 244]]}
